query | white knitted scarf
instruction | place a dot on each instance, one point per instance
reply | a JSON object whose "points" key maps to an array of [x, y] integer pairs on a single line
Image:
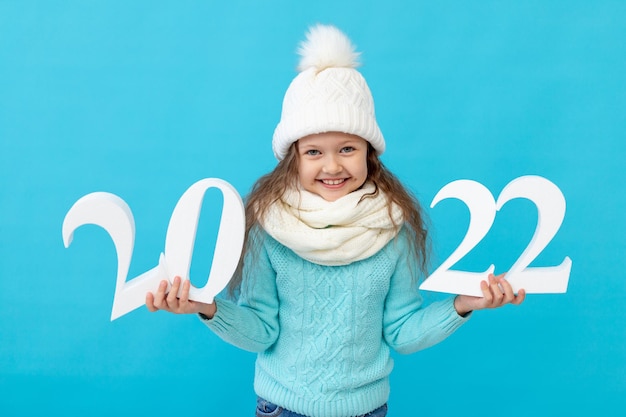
{"points": [[333, 232]]}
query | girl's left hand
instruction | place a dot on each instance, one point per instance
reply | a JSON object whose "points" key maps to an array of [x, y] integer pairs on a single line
{"points": [[496, 293]]}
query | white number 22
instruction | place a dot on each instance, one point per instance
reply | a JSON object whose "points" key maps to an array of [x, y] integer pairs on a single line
{"points": [[112, 214], [550, 204]]}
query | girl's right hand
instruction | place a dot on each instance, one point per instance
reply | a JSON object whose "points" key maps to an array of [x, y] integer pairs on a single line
{"points": [[169, 301], [497, 292]]}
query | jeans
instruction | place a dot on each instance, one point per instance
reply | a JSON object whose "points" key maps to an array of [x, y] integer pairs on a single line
{"points": [[268, 409]]}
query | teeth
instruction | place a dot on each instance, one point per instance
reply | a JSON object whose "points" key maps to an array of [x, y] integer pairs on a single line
{"points": [[332, 182]]}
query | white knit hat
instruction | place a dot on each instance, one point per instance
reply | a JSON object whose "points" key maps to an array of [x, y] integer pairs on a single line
{"points": [[328, 95]]}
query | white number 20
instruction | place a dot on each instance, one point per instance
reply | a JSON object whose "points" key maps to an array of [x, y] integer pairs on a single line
{"points": [[550, 204], [112, 214]]}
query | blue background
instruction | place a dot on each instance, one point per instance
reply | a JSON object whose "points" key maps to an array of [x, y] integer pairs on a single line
{"points": [[144, 98]]}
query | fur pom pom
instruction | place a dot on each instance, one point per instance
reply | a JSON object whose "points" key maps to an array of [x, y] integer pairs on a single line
{"points": [[327, 47]]}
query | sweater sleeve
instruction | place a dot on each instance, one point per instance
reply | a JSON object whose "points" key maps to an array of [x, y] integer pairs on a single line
{"points": [[410, 326], [252, 323]]}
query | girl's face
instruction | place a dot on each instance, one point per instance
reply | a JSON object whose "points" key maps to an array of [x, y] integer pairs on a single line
{"points": [[332, 164]]}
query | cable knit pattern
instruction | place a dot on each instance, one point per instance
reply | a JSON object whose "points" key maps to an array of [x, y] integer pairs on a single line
{"points": [[324, 333]]}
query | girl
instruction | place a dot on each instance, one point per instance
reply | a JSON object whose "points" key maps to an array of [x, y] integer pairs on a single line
{"points": [[334, 248]]}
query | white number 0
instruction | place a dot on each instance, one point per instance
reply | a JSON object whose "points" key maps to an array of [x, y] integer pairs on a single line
{"points": [[550, 204], [112, 214]]}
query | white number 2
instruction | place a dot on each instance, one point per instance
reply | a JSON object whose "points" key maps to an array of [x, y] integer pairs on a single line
{"points": [[112, 214], [550, 204]]}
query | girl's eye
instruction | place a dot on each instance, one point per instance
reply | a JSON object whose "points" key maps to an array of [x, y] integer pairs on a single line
{"points": [[312, 152], [347, 149]]}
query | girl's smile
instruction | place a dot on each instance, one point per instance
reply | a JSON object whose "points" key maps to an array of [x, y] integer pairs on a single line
{"points": [[333, 182], [332, 164]]}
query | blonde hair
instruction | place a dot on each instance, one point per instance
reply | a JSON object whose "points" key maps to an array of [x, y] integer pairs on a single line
{"points": [[269, 188]]}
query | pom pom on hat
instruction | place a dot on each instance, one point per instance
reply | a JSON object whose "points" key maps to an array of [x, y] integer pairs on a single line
{"points": [[327, 47], [328, 95]]}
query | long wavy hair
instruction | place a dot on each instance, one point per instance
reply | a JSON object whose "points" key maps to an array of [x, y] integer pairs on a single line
{"points": [[270, 188]]}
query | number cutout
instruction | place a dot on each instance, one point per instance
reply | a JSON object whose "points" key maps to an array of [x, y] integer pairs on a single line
{"points": [[550, 204], [113, 214], [181, 236]]}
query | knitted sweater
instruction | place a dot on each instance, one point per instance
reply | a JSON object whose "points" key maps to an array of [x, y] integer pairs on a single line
{"points": [[324, 333]]}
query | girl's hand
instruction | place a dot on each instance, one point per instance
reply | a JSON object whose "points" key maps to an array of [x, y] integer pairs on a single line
{"points": [[496, 293], [177, 305]]}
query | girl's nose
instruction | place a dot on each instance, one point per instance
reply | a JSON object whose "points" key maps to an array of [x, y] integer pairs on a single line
{"points": [[331, 165]]}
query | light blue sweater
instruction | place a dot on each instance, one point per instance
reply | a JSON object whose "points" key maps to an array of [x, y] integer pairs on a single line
{"points": [[324, 333]]}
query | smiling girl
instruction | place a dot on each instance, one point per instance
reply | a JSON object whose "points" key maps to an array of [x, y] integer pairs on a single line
{"points": [[335, 246]]}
